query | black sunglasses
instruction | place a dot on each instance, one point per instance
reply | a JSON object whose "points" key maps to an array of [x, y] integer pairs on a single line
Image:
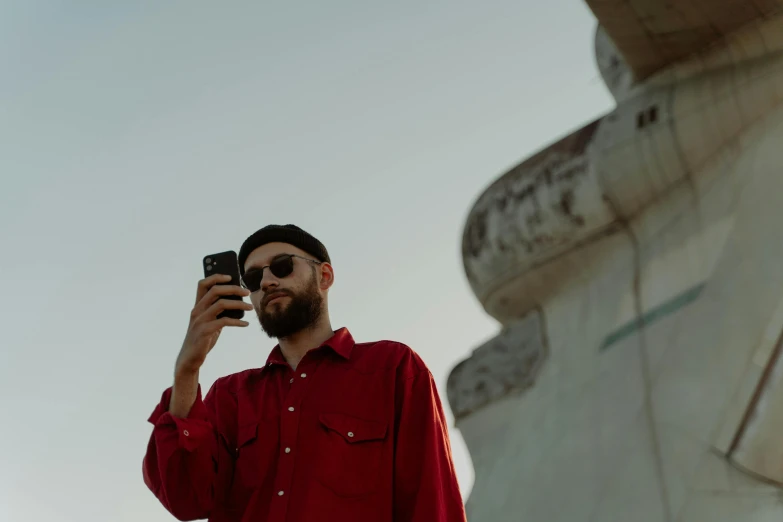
{"points": [[281, 266]]}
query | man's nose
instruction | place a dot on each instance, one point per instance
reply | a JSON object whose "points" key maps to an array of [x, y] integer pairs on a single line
{"points": [[268, 281]]}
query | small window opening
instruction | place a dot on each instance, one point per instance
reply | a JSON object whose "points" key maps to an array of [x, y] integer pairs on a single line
{"points": [[653, 114]]}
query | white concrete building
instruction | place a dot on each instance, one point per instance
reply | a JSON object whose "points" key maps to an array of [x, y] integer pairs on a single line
{"points": [[636, 268]]}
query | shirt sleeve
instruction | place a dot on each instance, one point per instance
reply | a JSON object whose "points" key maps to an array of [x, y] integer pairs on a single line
{"points": [[425, 482], [180, 466]]}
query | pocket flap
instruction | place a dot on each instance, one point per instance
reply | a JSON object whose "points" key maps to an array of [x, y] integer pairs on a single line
{"points": [[247, 433], [353, 429]]}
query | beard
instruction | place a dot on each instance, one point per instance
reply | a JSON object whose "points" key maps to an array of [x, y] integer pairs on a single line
{"points": [[302, 312]]}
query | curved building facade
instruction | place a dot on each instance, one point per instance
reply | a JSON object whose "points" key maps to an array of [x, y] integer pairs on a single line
{"points": [[636, 269]]}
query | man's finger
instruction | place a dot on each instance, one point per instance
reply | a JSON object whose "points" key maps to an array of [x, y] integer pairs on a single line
{"points": [[223, 304], [214, 295], [223, 290], [225, 321], [208, 282]]}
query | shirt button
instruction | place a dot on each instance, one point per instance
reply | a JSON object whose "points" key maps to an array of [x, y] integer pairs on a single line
{"points": [[291, 381], [288, 450], [350, 434], [303, 375], [186, 433], [279, 493], [290, 408]]}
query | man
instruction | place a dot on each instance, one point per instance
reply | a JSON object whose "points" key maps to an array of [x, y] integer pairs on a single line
{"points": [[327, 430]]}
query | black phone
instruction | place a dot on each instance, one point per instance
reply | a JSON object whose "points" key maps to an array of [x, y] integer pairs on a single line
{"points": [[228, 264]]}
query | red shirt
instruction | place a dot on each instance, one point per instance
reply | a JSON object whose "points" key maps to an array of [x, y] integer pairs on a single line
{"points": [[356, 434]]}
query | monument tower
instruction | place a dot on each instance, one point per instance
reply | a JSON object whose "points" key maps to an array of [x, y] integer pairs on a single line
{"points": [[636, 269]]}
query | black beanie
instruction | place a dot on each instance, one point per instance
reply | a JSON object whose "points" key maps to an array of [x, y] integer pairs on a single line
{"points": [[290, 234]]}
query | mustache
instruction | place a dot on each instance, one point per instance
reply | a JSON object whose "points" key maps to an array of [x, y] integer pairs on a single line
{"points": [[277, 293]]}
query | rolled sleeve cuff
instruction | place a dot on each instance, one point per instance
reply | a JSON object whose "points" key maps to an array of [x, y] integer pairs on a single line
{"points": [[192, 430]]}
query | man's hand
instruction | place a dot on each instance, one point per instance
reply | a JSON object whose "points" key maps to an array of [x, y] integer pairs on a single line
{"points": [[204, 328], [203, 332]]}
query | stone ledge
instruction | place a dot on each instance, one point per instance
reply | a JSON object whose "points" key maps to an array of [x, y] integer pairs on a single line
{"points": [[505, 364]]}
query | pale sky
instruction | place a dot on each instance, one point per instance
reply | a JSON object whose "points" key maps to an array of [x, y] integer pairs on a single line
{"points": [[136, 137]]}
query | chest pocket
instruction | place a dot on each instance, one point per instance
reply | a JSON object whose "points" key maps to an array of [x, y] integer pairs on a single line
{"points": [[256, 454], [349, 453]]}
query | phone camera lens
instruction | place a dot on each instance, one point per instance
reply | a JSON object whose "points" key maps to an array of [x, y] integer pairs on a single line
{"points": [[208, 260], [209, 267]]}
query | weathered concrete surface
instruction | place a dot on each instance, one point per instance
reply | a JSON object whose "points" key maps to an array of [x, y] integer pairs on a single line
{"points": [[655, 390], [605, 174], [615, 72], [506, 364], [656, 33], [532, 214]]}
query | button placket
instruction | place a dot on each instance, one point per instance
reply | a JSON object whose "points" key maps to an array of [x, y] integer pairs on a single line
{"points": [[289, 429]]}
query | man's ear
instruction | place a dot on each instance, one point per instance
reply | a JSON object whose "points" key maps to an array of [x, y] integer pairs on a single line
{"points": [[327, 276]]}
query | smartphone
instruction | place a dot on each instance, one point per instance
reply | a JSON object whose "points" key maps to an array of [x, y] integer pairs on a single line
{"points": [[228, 264]]}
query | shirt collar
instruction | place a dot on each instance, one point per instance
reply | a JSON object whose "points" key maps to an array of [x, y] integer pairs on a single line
{"points": [[341, 343]]}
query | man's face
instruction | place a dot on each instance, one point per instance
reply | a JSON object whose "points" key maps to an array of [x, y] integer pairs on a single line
{"points": [[289, 304]]}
